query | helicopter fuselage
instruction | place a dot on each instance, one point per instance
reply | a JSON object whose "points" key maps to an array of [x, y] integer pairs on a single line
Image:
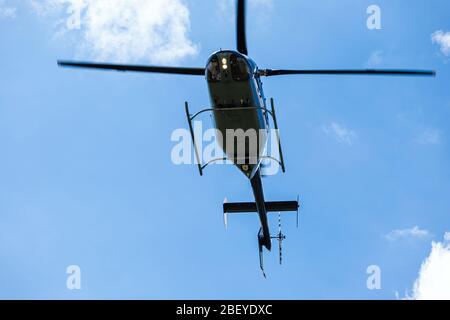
{"points": [[240, 117], [239, 108]]}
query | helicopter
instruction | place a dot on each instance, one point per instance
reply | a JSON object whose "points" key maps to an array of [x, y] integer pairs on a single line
{"points": [[238, 102]]}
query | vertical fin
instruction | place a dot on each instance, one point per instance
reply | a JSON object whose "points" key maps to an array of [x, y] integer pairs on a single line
{"points": [[261, 258]]}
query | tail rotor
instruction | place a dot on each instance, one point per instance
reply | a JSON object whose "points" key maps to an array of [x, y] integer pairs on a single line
{"points": [[280, 237]]}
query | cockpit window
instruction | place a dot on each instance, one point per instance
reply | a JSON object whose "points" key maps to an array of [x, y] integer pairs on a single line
{"points": [[236, 66], [239, 68], [213, 71]]}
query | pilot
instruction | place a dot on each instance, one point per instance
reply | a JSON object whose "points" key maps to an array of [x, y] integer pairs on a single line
{"points": [[214, 70]]}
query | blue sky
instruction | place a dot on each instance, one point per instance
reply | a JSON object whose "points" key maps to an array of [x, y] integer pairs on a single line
{"points": [[86, 176]]}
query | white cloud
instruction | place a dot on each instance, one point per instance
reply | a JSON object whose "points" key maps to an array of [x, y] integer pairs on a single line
{"points": [[125, 30], [43, 7], [429, 136], [341, 133], [447, 236], [415, 232], [443, 40], [6, 10], [375, 59], [433, 282]]}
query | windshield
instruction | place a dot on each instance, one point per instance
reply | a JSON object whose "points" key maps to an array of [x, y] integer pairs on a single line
{"points": [[239, 68], [213, 71], [222, 67]]}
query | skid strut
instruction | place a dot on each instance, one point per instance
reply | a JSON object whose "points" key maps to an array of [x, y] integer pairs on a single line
{"points": [[275, 124]]}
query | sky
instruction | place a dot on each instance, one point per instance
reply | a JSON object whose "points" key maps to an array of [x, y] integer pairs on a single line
{"points": [[87, 179]]}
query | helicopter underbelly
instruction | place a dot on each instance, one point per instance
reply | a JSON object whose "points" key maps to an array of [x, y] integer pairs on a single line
{"points": [[241, 122]]}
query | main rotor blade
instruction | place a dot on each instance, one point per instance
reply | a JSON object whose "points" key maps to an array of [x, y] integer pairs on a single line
{"points": [[240, 26], [386, 72], [123, 67]]}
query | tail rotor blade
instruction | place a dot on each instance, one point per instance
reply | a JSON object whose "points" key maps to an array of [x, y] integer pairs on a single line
{"points": [[280, 252], [240, 26], [280, 238], [279, 222]]}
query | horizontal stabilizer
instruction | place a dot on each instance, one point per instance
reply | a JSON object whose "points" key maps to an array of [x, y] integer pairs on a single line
{"points": [[271, 206]]}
